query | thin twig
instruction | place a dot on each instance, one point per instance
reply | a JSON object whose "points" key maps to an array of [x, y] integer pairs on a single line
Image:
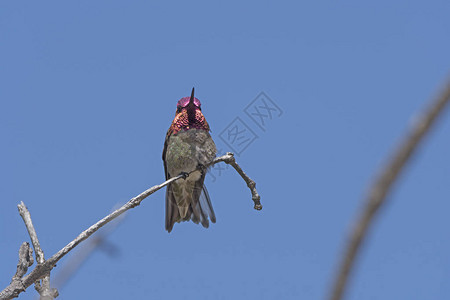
{"points": [[25, 214], [43, 288], [229, 159], [382, 185], [42, 270]]}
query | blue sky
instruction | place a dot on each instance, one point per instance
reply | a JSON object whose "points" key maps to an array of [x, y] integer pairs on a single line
{"points": [[88, 90]]}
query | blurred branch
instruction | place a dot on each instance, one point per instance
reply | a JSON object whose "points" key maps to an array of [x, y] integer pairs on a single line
{"points": [[43, 269], [382, 185], [43, 288]]}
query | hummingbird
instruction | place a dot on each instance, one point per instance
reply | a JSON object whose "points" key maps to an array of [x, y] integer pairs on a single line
{"points": [[188, 146]]}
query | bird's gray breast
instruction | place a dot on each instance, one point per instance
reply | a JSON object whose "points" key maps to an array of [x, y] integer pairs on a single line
{"points": [[187, 149]]}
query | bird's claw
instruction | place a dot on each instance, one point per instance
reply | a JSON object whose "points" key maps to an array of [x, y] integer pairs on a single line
{"points": [[184, 175], [201, 167]]}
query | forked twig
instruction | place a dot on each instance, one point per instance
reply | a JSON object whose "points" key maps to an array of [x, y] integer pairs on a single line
{"points": [[44, 289]]}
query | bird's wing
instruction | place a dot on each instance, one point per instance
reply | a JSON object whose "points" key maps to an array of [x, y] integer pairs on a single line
{"points": [[172, 213], [166, 142]]}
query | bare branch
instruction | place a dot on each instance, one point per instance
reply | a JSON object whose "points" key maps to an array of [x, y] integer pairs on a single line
{"points": [[382, 185], [43, 289], [25, 261], [44, 269]]}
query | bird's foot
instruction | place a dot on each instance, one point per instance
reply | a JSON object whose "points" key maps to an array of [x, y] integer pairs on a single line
{"points": [[184, 175], [201, 167]]}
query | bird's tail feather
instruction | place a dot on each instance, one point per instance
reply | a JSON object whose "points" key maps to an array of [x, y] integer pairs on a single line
{"points": [[195, 206]]}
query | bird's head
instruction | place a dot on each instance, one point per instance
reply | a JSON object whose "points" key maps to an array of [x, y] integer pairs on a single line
{"points": [[189, 115]]}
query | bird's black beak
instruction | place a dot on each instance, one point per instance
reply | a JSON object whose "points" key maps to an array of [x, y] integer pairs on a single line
{"points": [[191, 101]]}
